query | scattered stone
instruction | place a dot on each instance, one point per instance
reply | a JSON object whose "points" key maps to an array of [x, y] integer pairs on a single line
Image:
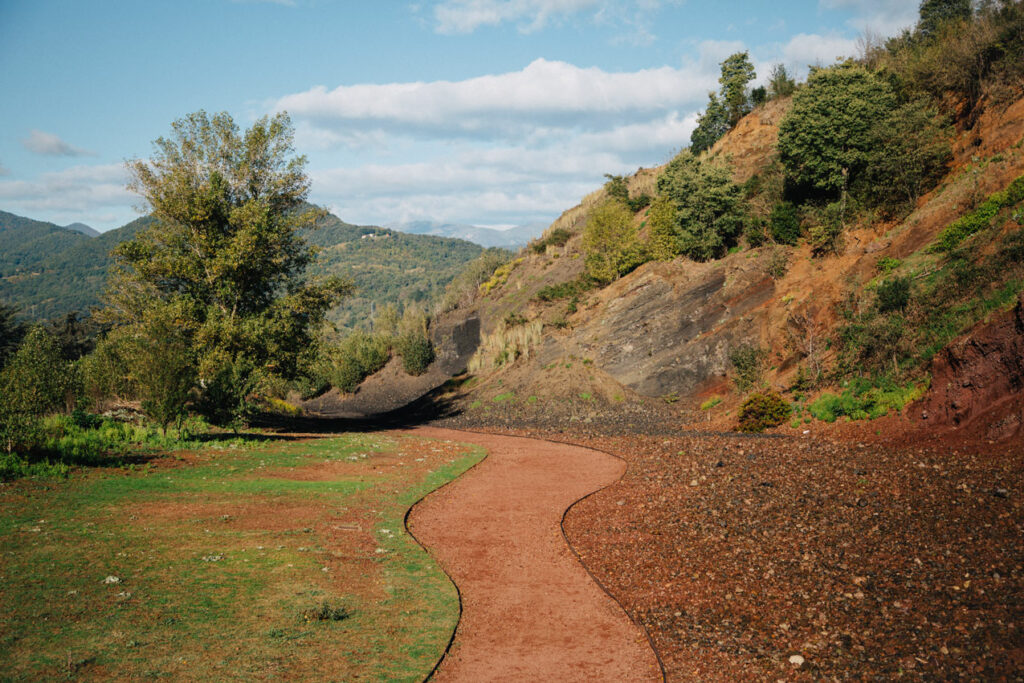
{"points": [[796, 660], [112, 579]]}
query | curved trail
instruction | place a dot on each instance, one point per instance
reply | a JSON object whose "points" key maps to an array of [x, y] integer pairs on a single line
{"points": [[530, 611]]}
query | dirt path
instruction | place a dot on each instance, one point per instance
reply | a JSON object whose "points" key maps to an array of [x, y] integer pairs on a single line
{"points": [[530, 610]]}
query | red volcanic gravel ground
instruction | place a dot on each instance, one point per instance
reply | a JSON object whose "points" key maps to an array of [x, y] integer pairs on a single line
{"points": [[796, 558]]}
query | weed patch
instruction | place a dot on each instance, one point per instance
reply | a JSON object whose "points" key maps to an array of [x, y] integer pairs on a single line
{"points": [[865, 400]]}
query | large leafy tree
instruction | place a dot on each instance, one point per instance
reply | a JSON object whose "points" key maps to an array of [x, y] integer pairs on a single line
{"points": [[827, 137], [910, 153], [710, 211], [935, 13], [224, 260]]}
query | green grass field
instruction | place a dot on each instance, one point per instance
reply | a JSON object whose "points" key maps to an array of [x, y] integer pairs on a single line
{"points": [[284, 559]]}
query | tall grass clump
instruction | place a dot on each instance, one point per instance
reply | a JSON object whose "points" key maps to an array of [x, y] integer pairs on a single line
{"points": [[505, 345]]}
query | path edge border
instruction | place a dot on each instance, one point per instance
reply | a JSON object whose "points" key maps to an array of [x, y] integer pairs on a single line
{"points": [[458, 591], [565, 537]]}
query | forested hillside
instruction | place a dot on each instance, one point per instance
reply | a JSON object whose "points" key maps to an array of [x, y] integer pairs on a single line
{"points": [[47, 270], [386, 266]]}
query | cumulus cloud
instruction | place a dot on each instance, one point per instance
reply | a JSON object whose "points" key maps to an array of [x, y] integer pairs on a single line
{"points": [[49, 144], [92, 194], [806, 49], [885, 17], [502, 105], [522, 145]]}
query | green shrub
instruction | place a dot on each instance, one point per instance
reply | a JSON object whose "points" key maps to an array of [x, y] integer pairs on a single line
{"points": [[981, 218], [747, 361], [762, 411], [36, 382], [556, 238], [908, 157], [565, 290], [865, 400], [639, 202], [888, 264], [416, 351], [784, 223], [358, 356], [610, 245], [825, 233], [827, 138], [105, 372], [662, 236], [163, 365], [711, 403], [755, 233], [893, 294], [513, 319]]}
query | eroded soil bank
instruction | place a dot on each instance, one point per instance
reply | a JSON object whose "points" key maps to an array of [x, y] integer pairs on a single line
{"points": [[530, 610]]}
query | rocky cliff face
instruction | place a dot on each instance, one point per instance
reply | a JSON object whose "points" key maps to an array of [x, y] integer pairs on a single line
{"points": [[669, 327]]}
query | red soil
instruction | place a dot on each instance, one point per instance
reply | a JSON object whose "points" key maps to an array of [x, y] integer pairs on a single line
{"points": [[530, 610]]}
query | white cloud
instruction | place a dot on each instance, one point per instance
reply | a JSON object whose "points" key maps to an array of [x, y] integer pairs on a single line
{"points": [[500, 148], [805, 49], [885, 17], [465, 16], [49, 144], [547, 93], [92, 194], [632, 18]]}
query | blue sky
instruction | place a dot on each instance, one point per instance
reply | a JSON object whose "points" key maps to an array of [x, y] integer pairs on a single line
{"points": [[492, 112]]}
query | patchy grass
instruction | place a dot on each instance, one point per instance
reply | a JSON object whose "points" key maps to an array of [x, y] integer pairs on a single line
{"points": [[865, 400], [283, 560], [711, 403]]}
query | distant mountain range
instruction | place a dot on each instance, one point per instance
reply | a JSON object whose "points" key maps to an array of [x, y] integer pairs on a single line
{"points": [[47, 270], [84, 229], [512, 238]]}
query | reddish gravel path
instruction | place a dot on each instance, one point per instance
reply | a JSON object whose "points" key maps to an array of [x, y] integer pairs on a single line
{"points": [[530, 610]]}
